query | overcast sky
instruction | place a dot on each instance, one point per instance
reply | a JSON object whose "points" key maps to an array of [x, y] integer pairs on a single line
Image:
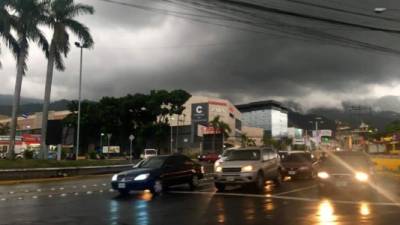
{"points": [[176, 46]]}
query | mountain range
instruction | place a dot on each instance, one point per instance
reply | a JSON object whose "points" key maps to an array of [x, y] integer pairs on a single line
{"points": [[351, 113]]}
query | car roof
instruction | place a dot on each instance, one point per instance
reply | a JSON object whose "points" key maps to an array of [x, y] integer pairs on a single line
{"points": [[247, 149]]}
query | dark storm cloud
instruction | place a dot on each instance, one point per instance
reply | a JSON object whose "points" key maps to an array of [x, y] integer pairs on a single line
{"points": [[139, 50]]}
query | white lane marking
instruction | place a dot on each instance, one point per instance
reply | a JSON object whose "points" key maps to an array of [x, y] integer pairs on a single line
{"points": [[74, 186], [89, 192], [111, 190], [3, 199], [101, 191], [104, 184], [50, 196], [282, 197], [76, 193], [53, 189], [296, 190], [11, 192], [34, 197], [94, 185], [20, 198], [39, 190], [63, 195], [26, 191]]}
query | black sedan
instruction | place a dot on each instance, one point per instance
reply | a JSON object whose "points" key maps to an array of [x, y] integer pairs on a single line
{"points": [[157, 173], [299, 164], [346, 171]]}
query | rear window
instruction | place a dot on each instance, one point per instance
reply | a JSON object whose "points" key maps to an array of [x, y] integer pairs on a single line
{"points": [[243, 155], [297, 158], [150, 152]]}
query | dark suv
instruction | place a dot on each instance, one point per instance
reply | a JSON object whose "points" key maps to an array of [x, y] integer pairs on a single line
{"points": [[345, 170]]}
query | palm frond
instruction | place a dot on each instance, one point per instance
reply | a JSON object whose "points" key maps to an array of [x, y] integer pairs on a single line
{"points": [[81, 31]]}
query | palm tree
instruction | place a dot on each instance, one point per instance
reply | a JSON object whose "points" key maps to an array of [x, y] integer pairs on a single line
{"points": [[6, 22], [4, 128], [220, 126], [27, 16], [61, 20]]}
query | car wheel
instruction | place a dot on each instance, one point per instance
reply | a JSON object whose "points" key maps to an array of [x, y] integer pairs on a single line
{"points": [[220, 187], [278, 179], [259, 183], [158, 187], [123, 192], [194, 182]]}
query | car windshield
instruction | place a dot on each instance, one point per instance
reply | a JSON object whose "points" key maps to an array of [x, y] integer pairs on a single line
{"points": [[154, 162], [339, 162], [150, 152], [297, 158], [243, 155]]}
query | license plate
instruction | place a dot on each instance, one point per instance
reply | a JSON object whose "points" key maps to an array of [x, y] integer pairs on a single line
{"points": [[230, 178], [341, 184], [292, 172], [121, 185]]}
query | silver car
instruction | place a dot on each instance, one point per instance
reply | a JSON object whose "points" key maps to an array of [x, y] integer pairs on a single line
{"points": [[248, 167]]}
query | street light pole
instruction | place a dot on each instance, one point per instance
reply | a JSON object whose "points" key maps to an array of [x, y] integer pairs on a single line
{"points": [[171, 138], [101, 141], [79, 45]]}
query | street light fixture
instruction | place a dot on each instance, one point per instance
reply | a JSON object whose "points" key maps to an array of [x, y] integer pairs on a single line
{"points": [[171, 138], [383, 9], [81, 46]]}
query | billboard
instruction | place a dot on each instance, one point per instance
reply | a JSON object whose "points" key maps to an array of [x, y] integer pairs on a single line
{"points": [[200, 113], [111, 150]]}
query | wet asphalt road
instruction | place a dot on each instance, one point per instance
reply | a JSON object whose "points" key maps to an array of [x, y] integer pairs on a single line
{"points": [[90, 201]]}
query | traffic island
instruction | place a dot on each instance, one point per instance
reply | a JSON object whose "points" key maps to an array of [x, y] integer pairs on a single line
{"points": [[21, 170]]}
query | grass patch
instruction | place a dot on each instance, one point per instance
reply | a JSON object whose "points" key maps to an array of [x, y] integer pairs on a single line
{"points": [[22, 164]]}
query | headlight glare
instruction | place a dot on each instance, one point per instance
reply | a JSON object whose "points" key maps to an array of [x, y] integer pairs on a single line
{"points": [[218, 169], [142, 176], [323, 175], [361, 176], [115, 177], [247, 168]]}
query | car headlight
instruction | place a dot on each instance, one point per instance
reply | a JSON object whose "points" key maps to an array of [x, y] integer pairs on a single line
{"points": [[217, 163], [115, 177], [323, 175], [247, 168], [361, 176], [142, 176], [218, 169]]}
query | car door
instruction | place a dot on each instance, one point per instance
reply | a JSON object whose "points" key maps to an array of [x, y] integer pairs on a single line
{"points": [[265, 161], [171, 171], [272, 163]]}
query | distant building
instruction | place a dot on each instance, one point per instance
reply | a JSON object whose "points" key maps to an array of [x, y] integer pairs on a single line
{"points": [[192, 128], [270, 115], [32, 124]]}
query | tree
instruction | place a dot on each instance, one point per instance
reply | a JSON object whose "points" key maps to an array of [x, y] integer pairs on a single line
{"points": [[393, 127], [6, 22], [61, 15], [4, 128], [27, 16], [246, 141], [220, 126]]}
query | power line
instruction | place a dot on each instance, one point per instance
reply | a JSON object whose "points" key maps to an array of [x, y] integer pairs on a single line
{"points": [[293, 35], [305, 16], [305, 30], [344, 10]]}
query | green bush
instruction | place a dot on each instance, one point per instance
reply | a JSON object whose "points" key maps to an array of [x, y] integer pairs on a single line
{"points": [[28, 154], [92, 154]]}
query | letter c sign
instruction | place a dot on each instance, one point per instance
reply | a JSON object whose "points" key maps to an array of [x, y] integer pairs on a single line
{"points": [[199, 109]]}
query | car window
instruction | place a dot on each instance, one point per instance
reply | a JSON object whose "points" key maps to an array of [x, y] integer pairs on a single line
{"points": [[298, 158], [243, 155], [154, 162]]}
